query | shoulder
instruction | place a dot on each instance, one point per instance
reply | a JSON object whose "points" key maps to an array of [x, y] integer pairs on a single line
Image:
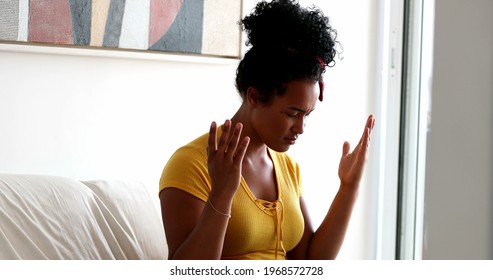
{"points": [[289, 168], [196, 149], [285, 160], [187, 167]]}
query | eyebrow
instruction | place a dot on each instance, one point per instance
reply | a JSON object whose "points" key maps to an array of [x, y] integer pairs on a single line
{"points": [[300, 110]]}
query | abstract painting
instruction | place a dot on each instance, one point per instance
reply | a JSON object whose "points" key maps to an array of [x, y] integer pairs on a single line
{"points": [[207, 27]]}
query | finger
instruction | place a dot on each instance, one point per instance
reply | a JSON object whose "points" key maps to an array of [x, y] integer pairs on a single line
{"points": [[212, 143], [363, 149], [345, 148], [368, 126], [366, 139], [372, 125], [240, 153], [370, 121], [233, 144], [223, 140]]}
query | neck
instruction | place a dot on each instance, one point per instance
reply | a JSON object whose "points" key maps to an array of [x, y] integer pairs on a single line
{"points": [[257, 148]]}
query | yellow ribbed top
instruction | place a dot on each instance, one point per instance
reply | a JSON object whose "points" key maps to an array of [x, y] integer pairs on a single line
{"points": [[258, 229]]}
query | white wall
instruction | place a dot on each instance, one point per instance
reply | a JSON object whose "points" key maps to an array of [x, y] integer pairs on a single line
{"points": [[92, 117], [351, 90], [100, 115], [458, 210]]}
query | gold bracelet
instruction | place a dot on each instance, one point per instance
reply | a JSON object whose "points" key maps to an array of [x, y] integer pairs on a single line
{"points": [[224, 214]]}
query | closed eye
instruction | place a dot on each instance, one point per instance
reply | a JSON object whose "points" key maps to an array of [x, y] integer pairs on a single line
{"points": [[295, 112], [292, 114]]}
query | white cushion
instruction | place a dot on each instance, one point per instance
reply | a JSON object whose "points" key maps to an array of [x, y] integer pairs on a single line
{"points": [[133, 217], [49, 217], [46, 217]]}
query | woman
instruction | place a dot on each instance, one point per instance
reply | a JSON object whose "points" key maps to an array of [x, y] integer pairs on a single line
{"points": [[234, 193]]}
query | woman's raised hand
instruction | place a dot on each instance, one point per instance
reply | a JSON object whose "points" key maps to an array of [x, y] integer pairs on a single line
{"points": [[225, 158], [352, 165]]}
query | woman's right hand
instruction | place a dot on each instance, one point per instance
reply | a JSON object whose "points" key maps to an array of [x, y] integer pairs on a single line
{"points": [[225, 160]]}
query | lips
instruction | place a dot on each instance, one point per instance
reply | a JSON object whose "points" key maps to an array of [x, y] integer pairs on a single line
{"points": [[291, 140]]}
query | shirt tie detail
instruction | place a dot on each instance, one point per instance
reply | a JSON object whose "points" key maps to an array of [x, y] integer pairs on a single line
{"points": [[276, 208]]}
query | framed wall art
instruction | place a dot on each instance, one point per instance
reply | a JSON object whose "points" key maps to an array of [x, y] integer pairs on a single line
{"points": [[199, 27]]}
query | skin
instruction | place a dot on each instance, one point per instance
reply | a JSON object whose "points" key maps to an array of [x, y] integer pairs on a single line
{"points": [[196, 230]]}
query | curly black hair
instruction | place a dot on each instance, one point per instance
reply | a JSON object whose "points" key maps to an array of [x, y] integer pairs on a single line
{"points": [[288, 42]]}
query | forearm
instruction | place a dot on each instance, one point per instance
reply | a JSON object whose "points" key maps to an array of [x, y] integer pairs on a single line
{"points": [[207, 238], [328, 238], [224, 163]]}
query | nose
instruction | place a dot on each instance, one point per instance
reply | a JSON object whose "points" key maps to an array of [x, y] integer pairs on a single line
{"points": [[299, 125]]}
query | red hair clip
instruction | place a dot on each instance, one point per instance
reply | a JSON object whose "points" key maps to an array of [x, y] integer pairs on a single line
{"points": [[321, 83]]}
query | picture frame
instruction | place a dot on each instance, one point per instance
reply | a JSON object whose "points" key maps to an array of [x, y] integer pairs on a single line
{"points": [[204, 28]]}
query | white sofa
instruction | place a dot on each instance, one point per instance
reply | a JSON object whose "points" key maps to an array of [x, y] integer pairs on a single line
{"points": [[49, 217]]}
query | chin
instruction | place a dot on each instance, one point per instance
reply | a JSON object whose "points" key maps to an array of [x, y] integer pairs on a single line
{"points": [[280, 148]]}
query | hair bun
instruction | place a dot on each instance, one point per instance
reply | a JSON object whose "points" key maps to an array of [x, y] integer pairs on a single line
{"points": [[285, 25]]}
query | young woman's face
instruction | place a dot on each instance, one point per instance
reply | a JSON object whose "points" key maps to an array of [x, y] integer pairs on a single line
{"points": [[283, 120]]}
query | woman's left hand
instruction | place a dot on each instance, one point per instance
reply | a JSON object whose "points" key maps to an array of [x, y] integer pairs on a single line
{"points": [[352, 165]]}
